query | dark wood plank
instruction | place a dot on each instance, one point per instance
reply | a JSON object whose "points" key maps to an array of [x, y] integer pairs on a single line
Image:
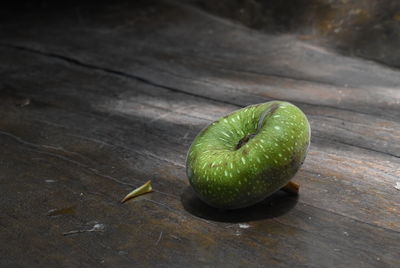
{"points": [[129, 140], [157, 109], [165, 52], [108, 112], [277, 226]]}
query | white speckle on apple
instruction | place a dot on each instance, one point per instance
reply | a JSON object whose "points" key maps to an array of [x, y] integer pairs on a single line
{"points": [[226, 134]]}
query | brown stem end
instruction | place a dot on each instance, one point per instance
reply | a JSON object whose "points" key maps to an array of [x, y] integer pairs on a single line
{"points": [[291, 188]]}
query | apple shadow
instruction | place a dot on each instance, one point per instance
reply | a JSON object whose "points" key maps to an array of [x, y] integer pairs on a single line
{"points": [[273, 206]]}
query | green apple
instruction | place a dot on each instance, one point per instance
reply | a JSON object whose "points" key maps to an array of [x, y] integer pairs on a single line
{"points": [[242, 158]]}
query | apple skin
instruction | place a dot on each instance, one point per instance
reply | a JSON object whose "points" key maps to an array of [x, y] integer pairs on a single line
{"points": [[242, 158]]}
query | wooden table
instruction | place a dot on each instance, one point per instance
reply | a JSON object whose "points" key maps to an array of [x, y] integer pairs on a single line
{"points": [[97, 99]]}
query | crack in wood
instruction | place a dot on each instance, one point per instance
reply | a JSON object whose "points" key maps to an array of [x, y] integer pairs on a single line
{"points": [[357, 146], [152, 83], [113, 72], [352, 218]]}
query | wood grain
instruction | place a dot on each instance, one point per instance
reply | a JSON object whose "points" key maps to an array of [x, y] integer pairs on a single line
{"points": [[115, 99]]}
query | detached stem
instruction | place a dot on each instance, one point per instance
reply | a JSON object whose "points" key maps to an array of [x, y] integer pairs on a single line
{"points": [[291, 188], [144, 189]]}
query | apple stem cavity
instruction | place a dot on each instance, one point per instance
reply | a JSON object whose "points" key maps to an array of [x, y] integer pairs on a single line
{"points": [[244, 140], [267, 113], [291, 188]]}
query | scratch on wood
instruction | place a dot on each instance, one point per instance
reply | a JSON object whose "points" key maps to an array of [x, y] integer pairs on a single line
{"points": [[159, 238], [98, 227]]}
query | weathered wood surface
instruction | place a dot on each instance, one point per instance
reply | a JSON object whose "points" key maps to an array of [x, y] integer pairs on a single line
{"points": [[96, 100]]}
